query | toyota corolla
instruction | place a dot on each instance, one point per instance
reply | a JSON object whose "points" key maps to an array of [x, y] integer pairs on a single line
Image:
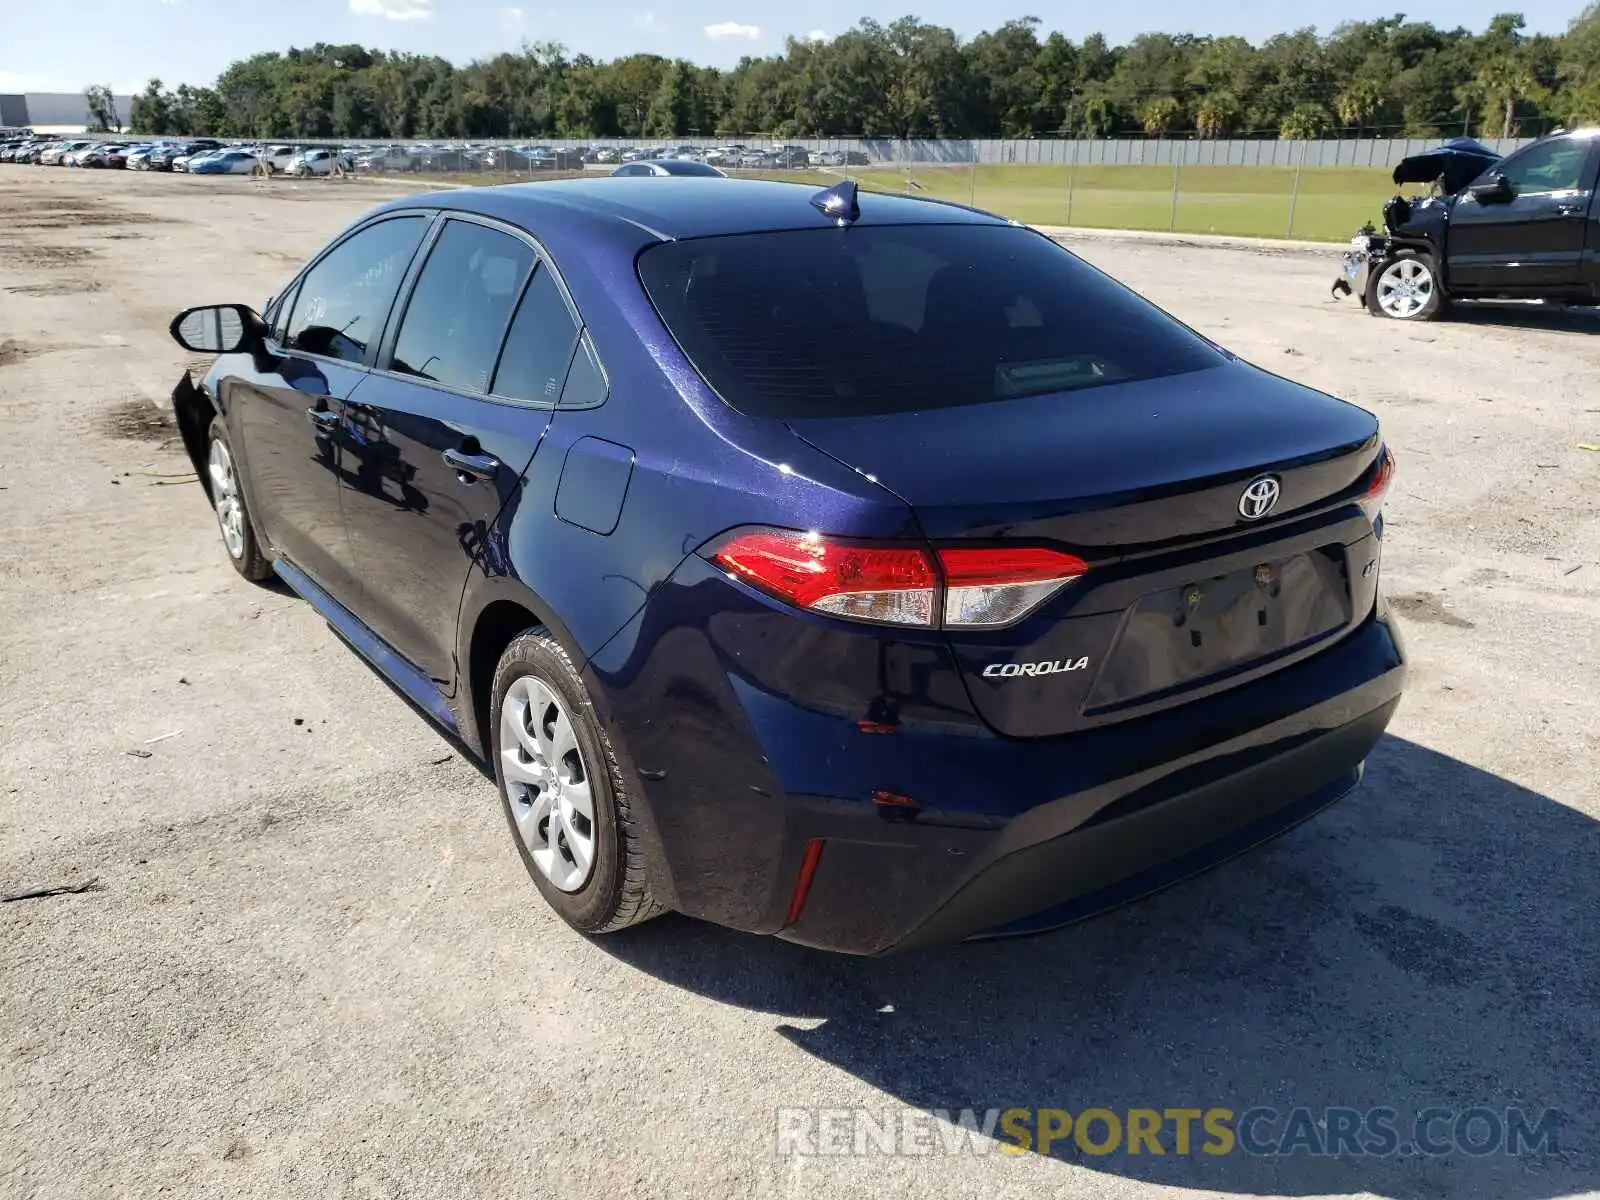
{"points": [[859, 569]]}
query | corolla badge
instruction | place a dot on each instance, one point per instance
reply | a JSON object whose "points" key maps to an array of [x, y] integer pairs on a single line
{"points": [[1007, 670], [1260, 497]]}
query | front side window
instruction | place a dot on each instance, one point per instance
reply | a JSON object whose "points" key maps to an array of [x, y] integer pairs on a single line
{"points": [[277, 315], [1553, 166], [458, 312], [895, 318], [344, 299]]}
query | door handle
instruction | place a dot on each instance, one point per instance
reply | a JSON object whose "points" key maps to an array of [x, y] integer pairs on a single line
{"points": [[1570, 210], [470, 468], [322, 418]]}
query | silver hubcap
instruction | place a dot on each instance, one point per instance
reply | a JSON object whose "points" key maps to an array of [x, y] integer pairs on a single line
{"points": [[225, 494], [547, 782], [1404, 288]]}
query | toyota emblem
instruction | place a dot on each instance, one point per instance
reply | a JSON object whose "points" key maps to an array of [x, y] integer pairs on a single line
{"points": [[1260, 498]]}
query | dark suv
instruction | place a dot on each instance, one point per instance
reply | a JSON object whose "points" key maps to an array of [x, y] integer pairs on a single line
{"points": [[862, 569], [1521, 227]]}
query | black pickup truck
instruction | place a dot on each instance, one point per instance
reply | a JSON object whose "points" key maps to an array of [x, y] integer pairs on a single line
{"points": [[1521, 227]]}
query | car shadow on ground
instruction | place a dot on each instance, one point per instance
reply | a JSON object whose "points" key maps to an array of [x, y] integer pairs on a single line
{"points": [[1553, 318], [1431, 942]]}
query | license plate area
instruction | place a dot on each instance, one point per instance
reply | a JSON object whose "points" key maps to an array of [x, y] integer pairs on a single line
{"points": [[1188, 635]]}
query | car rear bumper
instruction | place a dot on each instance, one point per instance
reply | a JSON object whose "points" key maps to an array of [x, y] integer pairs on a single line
{"points": [[1100, 864], [993, 836], [1079, 855]]}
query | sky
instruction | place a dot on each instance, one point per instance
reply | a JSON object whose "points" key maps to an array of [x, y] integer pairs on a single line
{"points": [[64, 45]]}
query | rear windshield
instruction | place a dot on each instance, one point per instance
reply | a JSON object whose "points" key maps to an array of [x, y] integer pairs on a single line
{"points": [[893, 318]]}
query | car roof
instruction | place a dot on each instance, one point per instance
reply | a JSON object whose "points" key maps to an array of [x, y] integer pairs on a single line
{"points": [[641, 209]]}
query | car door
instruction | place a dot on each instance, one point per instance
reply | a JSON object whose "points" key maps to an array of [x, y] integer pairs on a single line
{"points": [[453, 417], [1534, 240], [286, 405]]}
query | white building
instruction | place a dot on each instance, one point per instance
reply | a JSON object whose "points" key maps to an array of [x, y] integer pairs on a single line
{"points": [[54, 112]]}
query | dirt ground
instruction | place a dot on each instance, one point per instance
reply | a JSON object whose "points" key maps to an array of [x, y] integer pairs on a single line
{"points": [[308, 962]]}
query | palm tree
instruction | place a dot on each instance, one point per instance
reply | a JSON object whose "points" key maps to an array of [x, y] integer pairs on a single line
{"points": [[1214, 114], [1303, 121], [1362, 100], [1158, 114], [1501, 82]]}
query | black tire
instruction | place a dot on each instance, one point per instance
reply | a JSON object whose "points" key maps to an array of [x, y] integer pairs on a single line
{"points": [[249, 561], [1432, 307], [617, 892]]}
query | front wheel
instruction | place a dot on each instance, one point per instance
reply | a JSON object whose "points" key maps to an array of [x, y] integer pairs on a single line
{"points": [[1406, 288], [233, 515], [570, 812]]}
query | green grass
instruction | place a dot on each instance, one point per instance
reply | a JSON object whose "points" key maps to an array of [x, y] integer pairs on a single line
{"points": [[1246, 201], [1331, 205]]}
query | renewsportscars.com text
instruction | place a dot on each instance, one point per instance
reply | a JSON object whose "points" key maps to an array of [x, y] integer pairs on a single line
{"points": [[1258, 1131]]}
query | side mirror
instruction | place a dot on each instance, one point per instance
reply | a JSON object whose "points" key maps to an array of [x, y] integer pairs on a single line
{"points": [[1495, 190], [216, 328]]}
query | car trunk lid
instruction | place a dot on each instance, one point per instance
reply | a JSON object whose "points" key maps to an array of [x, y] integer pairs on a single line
{"points": [[1185, 594]]}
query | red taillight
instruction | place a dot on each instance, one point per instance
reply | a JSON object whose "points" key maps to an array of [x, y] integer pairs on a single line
{"points": [[898, 585], [995, 587], [895, 584], [1372, 499]]}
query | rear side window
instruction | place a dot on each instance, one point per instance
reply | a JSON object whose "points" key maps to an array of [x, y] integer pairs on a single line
{"points": [[539, 346], [894, 318], [461, 305], [586, 381], [344, 299]]}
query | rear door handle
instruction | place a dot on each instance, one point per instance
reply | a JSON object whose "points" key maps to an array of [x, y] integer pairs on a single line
{"points": [[1570, 210], [469, 468], [322, 418]]}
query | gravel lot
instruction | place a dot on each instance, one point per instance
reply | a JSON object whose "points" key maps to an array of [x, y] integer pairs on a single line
{"points": [[311, 964]]}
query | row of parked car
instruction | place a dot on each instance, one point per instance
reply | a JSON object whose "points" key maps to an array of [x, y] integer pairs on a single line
{"points": [[203, 156], [737, 155], [200, 156]]}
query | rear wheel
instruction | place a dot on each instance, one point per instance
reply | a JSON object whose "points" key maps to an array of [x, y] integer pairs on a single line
{"points": [[233, 516], [1406, 288], [569, 812]]}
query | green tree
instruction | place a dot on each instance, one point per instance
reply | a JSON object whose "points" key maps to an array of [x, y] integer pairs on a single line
{"points": [[928, 91], [1057, 71], [1359, 103], [672, 109], [635, 81], [1504, 77], [1578, 67], [1304, 121], [1005, 70], [102, 109], [152, 110], [1158, 115], [1215, 113], [910, 78]]}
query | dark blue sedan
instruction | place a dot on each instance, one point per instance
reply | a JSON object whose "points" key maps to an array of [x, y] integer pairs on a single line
{"points": [[864, 570]]}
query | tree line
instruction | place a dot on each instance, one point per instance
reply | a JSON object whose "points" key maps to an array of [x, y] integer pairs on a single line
{"points": [[909, 79]]}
